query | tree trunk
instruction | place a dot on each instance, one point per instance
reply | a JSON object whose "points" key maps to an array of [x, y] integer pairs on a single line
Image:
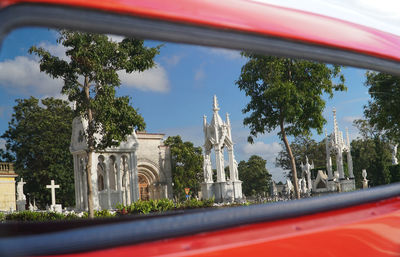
{"points": [[89, 184], [90, 142], [292, 162]]}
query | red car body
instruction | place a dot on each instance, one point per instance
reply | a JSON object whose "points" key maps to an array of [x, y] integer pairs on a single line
{"points": [[362, 223]]}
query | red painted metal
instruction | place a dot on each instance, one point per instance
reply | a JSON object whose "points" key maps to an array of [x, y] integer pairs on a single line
{"points": [[251, 17], [367, 230]]}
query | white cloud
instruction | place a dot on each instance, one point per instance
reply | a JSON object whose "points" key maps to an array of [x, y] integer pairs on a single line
{"points": [[116, 38], [155, 79], [2, 144], [226, 53], [22, 75], [350, 119], [56, 50], [172, 60], [199, 74], [263, 149]]}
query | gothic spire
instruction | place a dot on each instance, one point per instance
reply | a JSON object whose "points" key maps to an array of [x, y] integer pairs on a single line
{"points": [[215, 104]]}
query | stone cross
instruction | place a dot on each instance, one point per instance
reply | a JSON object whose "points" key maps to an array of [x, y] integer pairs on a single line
{"points": [[53, 187]]}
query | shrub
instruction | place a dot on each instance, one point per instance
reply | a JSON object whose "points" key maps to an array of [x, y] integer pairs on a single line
{"points": [[2, 217]]}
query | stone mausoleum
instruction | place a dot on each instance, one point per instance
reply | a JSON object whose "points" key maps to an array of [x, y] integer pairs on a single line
{"points": [[218, 137], [139, 168], [7, 187]]}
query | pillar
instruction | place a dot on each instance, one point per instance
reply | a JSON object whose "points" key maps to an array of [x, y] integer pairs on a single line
{"points": [[119, 177], [95, 162], [232, 170], [220, 165], [107, 180], [350, 164]]}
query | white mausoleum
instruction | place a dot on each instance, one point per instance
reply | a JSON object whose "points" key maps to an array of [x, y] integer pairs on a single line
{"points": [[218, 137], [139, 168]]}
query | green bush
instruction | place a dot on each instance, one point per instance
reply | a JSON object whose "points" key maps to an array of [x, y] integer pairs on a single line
{"points": [[34, 216], [2, 217]]}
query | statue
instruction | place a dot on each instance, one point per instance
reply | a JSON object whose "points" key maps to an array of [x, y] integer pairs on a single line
{"points": [[306, 174], [207, 170], [304, 186], [393, 147], [20, 190], [365, 180]]}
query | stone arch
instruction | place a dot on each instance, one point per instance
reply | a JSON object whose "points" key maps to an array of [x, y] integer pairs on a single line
{"points": [[101, 173], [148, 178], [112, 173]]}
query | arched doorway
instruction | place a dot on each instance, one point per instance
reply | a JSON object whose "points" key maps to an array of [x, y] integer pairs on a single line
{"points": [[143, 188]]}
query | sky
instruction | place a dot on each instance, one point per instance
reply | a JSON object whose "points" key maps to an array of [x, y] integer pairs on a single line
{"points": [[173, 96]]}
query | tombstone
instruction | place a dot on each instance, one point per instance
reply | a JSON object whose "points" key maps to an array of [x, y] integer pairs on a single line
{"points": [[21, 198], [54, 207], [365, 180]]}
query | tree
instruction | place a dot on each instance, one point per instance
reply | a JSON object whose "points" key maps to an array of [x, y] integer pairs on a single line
{"points": [[371, 152], [187, 166], [302, 146], [286, 93], [90, 80], [38, 137], [381, 111], [255, 176]]}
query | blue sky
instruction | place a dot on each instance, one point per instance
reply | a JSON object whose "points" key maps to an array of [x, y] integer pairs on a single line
{"points": [[174, 96]]}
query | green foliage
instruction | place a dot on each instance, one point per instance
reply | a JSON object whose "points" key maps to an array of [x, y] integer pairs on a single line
{"points": [[303, 146], [286, 90], [371, 152], [382, 110], [187, 166], [255, 176], [395, 173], [90, 78], [38, 137], [2, 217], [34, 216], [286, 93], [162, 205]]}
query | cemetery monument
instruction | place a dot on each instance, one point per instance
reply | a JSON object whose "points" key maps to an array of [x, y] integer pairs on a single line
{"points": [[218, 137]]}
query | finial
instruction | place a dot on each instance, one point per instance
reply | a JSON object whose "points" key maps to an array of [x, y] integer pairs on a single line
{"points": [[347, 137], [215, 105], [228, 122]]}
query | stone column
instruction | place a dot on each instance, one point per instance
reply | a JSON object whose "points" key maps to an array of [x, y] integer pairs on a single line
{"points": [[134, 185], [95, 162], [328, 157], [76, 181], [220, 165], [232, 170], [107, 180], [119, 177], [350, 164], [339, 163], [84, 196]]}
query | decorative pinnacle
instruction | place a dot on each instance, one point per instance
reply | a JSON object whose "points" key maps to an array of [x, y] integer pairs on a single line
{"points": [[228, 122], [215, 104], [347, 137], [335, 126]]}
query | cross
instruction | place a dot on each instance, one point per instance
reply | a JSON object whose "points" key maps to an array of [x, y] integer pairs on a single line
{"points": [[53, 187]]}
